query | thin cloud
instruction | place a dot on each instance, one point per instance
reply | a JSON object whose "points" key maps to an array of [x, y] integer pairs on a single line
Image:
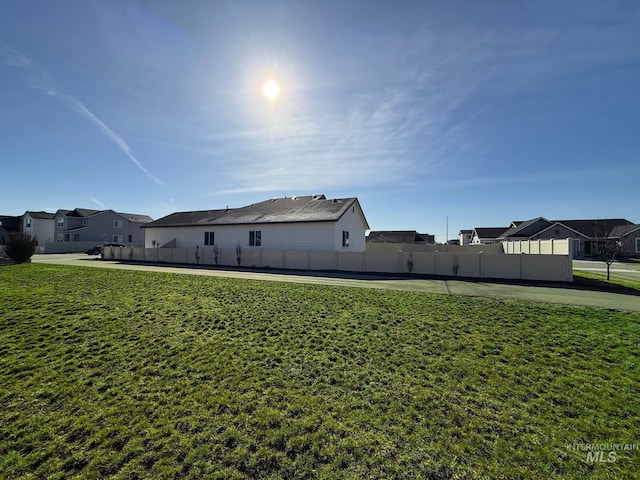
{"points": [[98, 202], [39, 80]]}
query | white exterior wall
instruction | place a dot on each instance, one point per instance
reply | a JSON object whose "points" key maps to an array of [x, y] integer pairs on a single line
{"points": [[302, 236], [41, 229], [353, 222]]}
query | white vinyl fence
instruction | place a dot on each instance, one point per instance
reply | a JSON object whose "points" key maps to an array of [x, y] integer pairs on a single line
{"points": [[547, 267]]}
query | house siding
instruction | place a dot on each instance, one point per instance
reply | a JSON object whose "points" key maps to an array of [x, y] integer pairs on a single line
{"points": [[302, 236], [353, 222], [41, 229], [99, 228]]}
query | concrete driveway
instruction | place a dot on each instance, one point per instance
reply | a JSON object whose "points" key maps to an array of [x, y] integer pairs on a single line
{"points": [[547, 294]]}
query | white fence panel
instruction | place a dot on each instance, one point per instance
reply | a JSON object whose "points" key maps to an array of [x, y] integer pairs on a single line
{"points": [[319, 260], [351, 261], [389, 262], [297, 259], [512, 265]]}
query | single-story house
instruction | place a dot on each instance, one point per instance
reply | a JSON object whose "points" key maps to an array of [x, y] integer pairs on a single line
{"points": [[400, 236], [486, 235], [584, 233], [310, 222], [629, 236]]}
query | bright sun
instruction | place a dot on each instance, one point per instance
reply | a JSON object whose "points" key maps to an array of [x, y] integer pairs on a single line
{"points": [[271, 90]]}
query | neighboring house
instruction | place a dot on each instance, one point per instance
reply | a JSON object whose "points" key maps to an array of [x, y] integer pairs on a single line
{"points": [[584, 233], [39, 226], [487, 235], [629, 236], [8, 226], [99, 226], [465, 237], [297, 223], [400, 236]]}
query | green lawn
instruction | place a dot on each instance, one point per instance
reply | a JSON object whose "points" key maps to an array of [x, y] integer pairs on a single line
{"points": [[152, 375], [599, 281]]}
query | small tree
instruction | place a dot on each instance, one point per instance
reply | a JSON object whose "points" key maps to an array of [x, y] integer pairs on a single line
{"points": [[607, 247], [238, 253], [216, 252], [20, 247]]}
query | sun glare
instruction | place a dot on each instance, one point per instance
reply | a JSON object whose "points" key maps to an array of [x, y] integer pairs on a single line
{"points": [[271, 90]]}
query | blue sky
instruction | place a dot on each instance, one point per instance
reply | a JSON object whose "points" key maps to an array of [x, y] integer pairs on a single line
{"points": [[484, 112]]}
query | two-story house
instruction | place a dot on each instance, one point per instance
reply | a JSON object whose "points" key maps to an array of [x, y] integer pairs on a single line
{"points": [[99, 226], [40, 227]]}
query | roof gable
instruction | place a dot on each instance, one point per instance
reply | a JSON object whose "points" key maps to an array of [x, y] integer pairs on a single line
{"points": [[624, 230], [526, 229]]}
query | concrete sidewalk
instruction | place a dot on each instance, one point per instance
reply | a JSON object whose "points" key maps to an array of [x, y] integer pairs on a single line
{"points": [[502, 291]]}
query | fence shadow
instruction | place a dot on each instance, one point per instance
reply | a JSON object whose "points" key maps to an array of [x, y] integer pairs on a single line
{"points": [[579, 283]]}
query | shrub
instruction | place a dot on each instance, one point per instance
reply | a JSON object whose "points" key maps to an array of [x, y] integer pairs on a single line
{"points": [[20, 248]]}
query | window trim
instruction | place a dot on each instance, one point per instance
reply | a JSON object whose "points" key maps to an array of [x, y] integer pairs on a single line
{"points": [[117, 224], [209, 238], [60, 222], [345, 238], [637, 244], [117, 238], [255, 238]]}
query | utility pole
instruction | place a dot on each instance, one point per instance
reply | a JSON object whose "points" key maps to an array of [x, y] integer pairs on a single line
{"points": [[447, 239]]}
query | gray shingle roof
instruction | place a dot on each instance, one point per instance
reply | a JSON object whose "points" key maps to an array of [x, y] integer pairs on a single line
{"points": [[310, 208], [594, 227], [490, 232], [41, 215], [136, 218], [398, 236], [520, 229], [622, 230]]}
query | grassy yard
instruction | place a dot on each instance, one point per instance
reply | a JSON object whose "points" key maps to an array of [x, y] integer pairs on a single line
{"points": [[599, 280], [151, 375]]}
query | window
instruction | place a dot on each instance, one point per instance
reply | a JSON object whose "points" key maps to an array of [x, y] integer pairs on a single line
{"points": [[130, 239], [638, 245], [27, 223], [85, 221], [60, 237], [345, 238], [255, 238], [209, 238], [66, 237], [61, 221], [117, 224], [117, 238], [76, 237]]}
